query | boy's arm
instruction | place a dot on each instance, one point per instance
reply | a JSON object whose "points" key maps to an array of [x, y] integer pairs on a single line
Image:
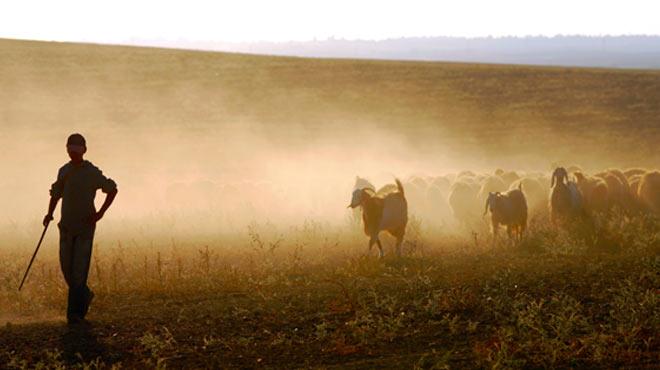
{"points": [[109, 187], [56, 191], [109, 198]]}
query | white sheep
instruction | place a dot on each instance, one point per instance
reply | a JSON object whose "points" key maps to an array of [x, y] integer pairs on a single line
{"points": [[509, 178], [463, 201], [618, 188], [416, 196], [630, 172], [649, 191], [534, 192], [438, 211], [491, 184], [595, 192]]}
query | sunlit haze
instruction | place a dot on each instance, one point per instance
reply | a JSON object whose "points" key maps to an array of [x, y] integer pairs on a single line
{"points": [[329, 184]]}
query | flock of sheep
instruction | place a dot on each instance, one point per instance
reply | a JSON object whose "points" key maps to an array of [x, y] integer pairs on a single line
{"points": [[567, 194]]}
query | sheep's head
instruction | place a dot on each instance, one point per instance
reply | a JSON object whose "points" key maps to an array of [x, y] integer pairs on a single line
{"points": [[492, 202], [558, 176], [360, 196]]}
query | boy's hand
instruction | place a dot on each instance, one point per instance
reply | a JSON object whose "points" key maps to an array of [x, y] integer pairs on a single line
{"points": [[94, 218], [47, 219]]}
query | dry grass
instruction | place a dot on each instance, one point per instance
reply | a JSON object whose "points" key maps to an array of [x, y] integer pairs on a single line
{"points": [[310, 296]]}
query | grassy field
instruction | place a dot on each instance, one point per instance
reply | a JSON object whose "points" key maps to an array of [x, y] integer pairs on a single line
{"points": [[184, 284], [309, 297]]}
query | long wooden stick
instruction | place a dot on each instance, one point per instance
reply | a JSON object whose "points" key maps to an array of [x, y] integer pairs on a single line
{"points": [[33, 256]]}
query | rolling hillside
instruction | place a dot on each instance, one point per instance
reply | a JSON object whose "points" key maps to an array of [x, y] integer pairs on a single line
{"points": [[474, 110]]}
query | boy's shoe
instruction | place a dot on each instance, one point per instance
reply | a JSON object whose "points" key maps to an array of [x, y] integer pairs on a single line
{"points": [[90, 297], [74, 320]]}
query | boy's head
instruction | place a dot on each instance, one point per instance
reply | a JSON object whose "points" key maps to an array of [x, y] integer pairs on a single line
{"points": [[76, 147]]}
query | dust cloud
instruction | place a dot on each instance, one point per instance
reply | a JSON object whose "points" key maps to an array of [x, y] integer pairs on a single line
{"points": [[179, 181], [214, 179], [205, 143]]}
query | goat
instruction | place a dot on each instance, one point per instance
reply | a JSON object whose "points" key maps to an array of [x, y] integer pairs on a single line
{"points": [[509, 209], [360, 183], [565, 198], [388, 213]]}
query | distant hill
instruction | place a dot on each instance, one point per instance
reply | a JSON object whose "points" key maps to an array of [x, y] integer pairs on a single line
{"points": [[584, 51], [482, 114]]}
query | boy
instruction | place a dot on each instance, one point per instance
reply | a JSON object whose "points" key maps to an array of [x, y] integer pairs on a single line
{"points": [[77, 182]]}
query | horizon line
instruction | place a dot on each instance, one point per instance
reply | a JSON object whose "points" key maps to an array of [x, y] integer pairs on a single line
{"points": [[334, 38]]}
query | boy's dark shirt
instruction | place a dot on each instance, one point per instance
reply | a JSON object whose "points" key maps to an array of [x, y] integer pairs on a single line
{"points": [[77, 186]]}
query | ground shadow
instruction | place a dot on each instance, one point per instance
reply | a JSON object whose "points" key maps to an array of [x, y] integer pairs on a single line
{"points": [[52, 343], [80, 343]]}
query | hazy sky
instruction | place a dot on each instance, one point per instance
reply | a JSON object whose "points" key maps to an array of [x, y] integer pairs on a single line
{"points": [[250, 20]]}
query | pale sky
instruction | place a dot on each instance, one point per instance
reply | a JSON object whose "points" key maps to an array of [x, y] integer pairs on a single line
{"points": [[280, 20]]}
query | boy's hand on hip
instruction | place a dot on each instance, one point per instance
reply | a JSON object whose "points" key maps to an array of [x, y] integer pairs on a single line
{"points": [[94, 218]]}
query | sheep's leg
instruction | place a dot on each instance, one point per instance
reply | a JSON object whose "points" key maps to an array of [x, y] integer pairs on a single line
{"points": [[380, 248], [372, 241], [515, 233], [399, 242]]}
